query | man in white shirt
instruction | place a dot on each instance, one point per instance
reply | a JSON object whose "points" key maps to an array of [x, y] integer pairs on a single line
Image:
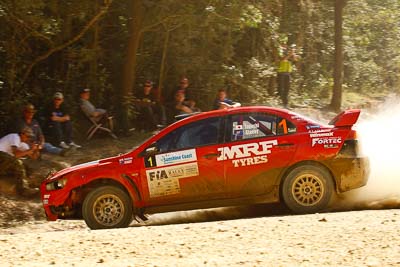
{"points": [[13, 147]]}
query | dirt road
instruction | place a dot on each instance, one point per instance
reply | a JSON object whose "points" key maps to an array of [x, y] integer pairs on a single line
{"points": [[356, 238]]}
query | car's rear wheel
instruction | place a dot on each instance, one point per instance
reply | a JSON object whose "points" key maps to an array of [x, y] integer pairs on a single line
{"points": [[307, 189], [107, 207]]}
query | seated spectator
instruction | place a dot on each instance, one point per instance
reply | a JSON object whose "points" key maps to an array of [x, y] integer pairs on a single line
{"points": [[97, 114], [179, 106], [221, 102], [37, 139], [12, 147], [184, 88], [151, 112], [59, 122]]}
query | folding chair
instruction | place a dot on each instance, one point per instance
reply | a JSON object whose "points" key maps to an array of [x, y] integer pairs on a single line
{"points": [[100, 126]]}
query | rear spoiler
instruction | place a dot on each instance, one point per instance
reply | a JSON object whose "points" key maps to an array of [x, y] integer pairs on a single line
{"points": [[346, 118]]}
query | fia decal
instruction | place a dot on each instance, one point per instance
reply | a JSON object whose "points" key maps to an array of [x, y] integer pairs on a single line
{"points": [[165, 181]]}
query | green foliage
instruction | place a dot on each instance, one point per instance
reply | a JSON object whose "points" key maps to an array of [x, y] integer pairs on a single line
{"points": [[372, 45], [230, 44]]}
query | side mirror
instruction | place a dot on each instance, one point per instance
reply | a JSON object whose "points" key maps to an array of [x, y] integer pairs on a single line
{"points": [[151, 150]]}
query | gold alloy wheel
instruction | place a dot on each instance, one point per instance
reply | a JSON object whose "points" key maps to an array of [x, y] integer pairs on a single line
{"points": [[308, 189], [108, 210]]}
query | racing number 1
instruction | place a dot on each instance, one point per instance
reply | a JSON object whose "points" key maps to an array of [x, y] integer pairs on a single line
{"points": [[283, 124], [150, 161]]}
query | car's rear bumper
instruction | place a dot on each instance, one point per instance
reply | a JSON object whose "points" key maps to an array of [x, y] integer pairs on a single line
{"points": [[350, 173]]}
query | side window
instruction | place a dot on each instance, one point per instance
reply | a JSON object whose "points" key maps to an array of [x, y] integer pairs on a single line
{"points": [[199, 133], [255, 125], [285, 126]]}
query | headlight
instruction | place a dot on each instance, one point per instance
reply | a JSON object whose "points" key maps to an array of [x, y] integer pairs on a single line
{"points": [[55, 185]]}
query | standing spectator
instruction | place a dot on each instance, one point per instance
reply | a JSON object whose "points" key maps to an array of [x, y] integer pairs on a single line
{"points": [[151, 111], [59, 122], [221, 102], [38, 139], [12, 147], [286, 58]]}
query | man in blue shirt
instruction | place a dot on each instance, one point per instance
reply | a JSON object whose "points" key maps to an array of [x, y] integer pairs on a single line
{"points": [[222, 102], [59, 122]]}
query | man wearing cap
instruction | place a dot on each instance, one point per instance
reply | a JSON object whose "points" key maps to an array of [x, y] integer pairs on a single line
{"points": [[38, 139], [151, 112], [12, 147], [59, 122], [89, 109]]}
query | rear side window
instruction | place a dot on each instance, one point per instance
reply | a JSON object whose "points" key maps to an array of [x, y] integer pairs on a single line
{"points": [[256, 125]]}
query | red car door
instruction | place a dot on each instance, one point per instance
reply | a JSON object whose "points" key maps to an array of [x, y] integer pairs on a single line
{"points": [[185, 167], [259, 146]]}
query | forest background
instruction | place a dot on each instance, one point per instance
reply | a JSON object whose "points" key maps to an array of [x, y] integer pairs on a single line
{"points": [[112, 47]]}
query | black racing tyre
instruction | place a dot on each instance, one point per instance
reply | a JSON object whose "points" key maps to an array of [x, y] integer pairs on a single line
{"points": [[107, 207], [307, 189]]}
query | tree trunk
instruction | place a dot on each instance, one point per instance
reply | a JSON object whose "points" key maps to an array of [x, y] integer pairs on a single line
{"points": [[336, 101], [93, 83], [162, 67], [137, 11]]}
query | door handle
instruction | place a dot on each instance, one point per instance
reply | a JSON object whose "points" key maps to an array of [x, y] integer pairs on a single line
{"points": [[285, 144], [211, 155]]}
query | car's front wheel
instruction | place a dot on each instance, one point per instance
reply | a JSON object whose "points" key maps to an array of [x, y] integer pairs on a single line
{"points": [[107, 207], [307, 189]]}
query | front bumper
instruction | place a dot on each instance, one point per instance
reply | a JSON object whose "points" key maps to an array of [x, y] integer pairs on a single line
{"points": [[57, 203], [350, 173]]}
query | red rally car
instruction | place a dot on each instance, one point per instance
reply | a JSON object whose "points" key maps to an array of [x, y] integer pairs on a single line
{"points": [[214, 159]]}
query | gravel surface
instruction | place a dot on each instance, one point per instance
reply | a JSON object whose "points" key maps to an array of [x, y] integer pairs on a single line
{"points": [[354, 238]]}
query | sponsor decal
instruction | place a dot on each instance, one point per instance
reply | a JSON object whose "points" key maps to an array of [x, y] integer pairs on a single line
{"points": [[125, 161], [331, 146], [165, 181], [175, 157], [319, 131], [245, 130], [251, 129], [46, 199], [324, 137], [328, 142], [312, 126], [327, 134], [247, 154]]}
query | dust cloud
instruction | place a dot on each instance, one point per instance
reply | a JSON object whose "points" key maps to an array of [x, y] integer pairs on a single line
{"points": [[379, 136], [217, 214]]}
